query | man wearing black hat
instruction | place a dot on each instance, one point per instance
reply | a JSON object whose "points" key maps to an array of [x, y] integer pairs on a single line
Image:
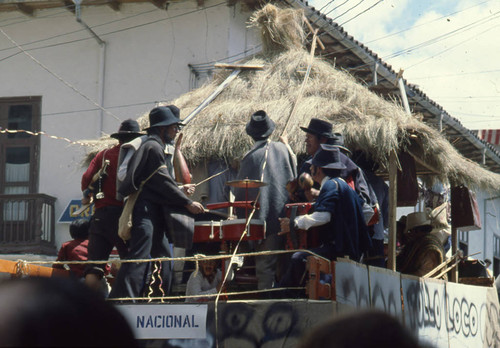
{"points": [[159, 190], [319, 132], [270, 162], [104, 223], [338, 212]]}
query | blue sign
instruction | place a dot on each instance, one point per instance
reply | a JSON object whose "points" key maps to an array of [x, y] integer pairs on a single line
{"points": [[72, 207]]}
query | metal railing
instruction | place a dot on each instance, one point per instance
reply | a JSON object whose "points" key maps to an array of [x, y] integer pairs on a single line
{"points": [[27, 224]]}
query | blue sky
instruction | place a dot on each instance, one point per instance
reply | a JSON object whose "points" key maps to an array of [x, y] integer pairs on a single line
{"points": [[449, 48]]}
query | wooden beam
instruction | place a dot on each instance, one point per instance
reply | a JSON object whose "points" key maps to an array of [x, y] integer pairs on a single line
{"points": [[237, 66], [318, 40], [70, 5], [115, 5], [27, 10], [423, 164], [161, 4], [454, 250], [393, 197]]}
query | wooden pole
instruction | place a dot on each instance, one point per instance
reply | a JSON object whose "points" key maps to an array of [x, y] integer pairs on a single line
{"points": [[454, 249], [393, 186]]}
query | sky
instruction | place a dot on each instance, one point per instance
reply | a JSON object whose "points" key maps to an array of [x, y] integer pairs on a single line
{"points": [[450, 49]]}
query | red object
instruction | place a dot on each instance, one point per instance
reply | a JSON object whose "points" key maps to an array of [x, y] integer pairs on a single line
{"points": [[350, 181], [181, 169], [238, 204], [491, 136], [108, 184], [74, 250], [306, 239], [218, 231]]}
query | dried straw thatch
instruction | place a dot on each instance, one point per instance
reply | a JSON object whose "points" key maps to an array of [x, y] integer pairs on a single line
{"points": [[368, 122]]}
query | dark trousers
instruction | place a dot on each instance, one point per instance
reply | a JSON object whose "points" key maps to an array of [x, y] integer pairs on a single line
{"points": [[148, 241], [103, 237], [294, 275]]}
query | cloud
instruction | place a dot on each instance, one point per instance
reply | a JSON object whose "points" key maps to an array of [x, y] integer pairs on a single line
{"points": [[456, 51]]}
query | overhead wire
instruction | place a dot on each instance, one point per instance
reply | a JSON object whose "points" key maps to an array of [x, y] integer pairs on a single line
{"points": [[111, 32], [349, 10], [359, 14], [70, 85], [452, 47], [59, 77]]}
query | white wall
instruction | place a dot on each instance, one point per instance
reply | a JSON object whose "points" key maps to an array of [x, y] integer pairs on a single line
{"points": [[482, 240], [147, 51]]}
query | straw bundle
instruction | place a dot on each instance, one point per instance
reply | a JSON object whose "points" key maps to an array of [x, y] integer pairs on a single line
{"points": [[368, 122]]}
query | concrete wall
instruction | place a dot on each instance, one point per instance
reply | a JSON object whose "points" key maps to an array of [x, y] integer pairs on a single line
{"points": [[144, 59]]}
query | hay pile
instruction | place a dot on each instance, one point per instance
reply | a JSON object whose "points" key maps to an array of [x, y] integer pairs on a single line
{"points": [[368, 122]]}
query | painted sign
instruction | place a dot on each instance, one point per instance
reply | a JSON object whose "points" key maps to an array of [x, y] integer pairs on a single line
{"points": [[74, 205], [384, 291], [152, 321], [351, 284]]}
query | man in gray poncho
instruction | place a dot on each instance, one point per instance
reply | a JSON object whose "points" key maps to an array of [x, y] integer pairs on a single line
{"points": [[272, 163]]}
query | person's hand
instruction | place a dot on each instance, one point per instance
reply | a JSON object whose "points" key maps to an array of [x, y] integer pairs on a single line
{"points": [[311, 194], [284, 138], [188, 189], [195, 208], [284, 226]]}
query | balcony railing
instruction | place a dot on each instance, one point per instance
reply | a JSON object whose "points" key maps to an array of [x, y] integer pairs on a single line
{"points": [[27, 224]]}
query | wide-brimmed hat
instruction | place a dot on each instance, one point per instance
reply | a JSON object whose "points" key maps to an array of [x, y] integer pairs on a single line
{"points": [[328, 156], [175, 110], [162, 116], [338, 141], [319, 127], [260, 125], [418, 219], [127, 128]]}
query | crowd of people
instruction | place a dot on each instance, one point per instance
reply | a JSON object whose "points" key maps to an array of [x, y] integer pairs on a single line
{"points": [[349, 215]]}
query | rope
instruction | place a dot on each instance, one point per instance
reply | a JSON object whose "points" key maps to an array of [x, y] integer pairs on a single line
{"points": [[247, 292], [12, 131], [249, 218], [186, 258]]}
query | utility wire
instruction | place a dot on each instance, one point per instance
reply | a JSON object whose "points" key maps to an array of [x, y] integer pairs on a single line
{"points": [[58, 77], [359, 14], [452, 47], [433, 40], [348, 10], [453, 75]]}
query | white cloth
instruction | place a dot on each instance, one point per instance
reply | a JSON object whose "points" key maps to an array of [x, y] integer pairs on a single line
{"points": [[305, 222]]}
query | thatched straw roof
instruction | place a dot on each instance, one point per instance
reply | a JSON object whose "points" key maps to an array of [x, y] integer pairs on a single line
{"points": [[367, 121]]}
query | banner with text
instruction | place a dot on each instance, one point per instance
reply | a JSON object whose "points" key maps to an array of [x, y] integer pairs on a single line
{"points": [[151, 321]]}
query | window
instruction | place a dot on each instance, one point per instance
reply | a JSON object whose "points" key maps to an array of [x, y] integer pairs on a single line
{"points": [[496, 255], [19, 152]]}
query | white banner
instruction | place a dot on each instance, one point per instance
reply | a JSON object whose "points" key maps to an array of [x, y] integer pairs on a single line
{"points": [[149, 321]]}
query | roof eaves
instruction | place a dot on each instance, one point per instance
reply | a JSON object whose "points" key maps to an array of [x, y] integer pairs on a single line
{"points": [[370, 58]]}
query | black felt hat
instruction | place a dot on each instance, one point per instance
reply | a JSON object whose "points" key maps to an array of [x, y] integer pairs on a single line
{"points": [[162, 116], [260, 125], [319, 127], [175, 110], [338, 141], [328, 156], [127, 128]]}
